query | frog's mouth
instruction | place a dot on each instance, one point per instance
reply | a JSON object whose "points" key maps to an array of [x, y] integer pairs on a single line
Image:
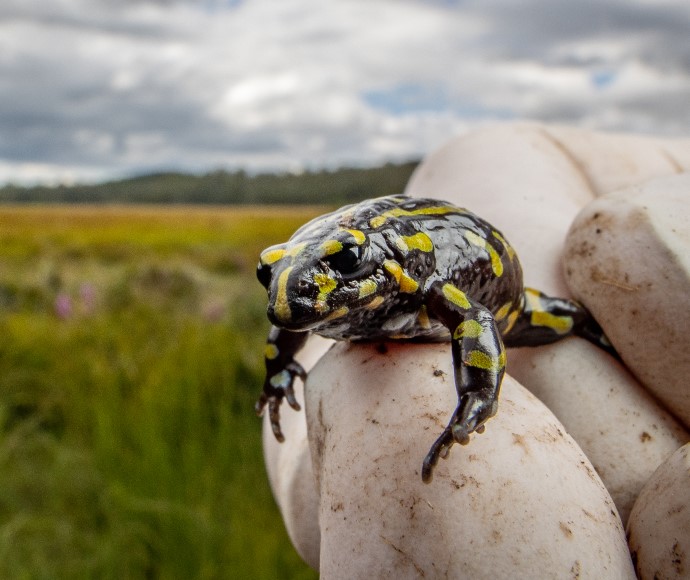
{"points": [[308, 299], [298, 317], [293, 302]]}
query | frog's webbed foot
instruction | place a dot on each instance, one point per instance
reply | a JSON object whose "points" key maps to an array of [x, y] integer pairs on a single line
{"points": [[473, 410], [276, 388]]}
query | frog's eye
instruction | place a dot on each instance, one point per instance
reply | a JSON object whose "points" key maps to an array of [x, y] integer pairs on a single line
{"points": [[347, 260]]}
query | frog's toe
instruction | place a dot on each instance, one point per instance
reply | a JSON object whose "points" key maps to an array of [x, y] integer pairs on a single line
{"points": [[277, 433], [440, 448], [260, 405], [290, 398], [272, 402], [274, 417], [295, 370]]}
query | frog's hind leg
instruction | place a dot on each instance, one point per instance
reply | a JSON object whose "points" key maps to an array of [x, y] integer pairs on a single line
{"points": [[543, 320]]}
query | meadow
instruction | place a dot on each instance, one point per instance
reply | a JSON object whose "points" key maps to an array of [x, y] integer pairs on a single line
{"points": [[130, 359]]}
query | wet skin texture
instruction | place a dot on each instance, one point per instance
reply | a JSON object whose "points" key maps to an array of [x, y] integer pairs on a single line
{"points": [[400, 268]]}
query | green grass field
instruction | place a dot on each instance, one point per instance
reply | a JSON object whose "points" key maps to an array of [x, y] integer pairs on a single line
{"points": [[130, 360]]}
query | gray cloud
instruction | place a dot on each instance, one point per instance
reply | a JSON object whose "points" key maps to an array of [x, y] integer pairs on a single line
{"points": [[98, 88], [654, 32]]}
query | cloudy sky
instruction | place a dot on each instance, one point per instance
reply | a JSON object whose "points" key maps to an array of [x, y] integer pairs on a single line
{"points": [[96, 89]]}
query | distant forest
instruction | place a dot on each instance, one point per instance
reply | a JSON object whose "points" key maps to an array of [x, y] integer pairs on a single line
{"points": [[345, 185]]}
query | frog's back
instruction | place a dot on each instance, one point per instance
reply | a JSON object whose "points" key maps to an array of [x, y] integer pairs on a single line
{"points": [[468, 251]]}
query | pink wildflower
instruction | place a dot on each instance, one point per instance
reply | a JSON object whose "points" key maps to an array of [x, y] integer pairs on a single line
{"points": [[63, 306]]}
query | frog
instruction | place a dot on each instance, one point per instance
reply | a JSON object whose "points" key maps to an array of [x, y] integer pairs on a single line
{"points": [[397, 268]]}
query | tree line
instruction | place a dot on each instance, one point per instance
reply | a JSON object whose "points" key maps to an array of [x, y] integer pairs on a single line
{"points": [[340, 186]]}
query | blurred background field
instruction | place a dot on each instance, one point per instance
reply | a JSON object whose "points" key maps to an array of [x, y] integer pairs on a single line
{"points": [[130, 360]]}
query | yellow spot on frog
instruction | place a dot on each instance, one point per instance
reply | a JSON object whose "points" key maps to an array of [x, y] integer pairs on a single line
{"points": [[496, 263], [271, 351], [468, 329], [271, 256], [379, 220], [296, 249], [367, 288], [510, 321], [533, 298], [359, 236], [331, 247], [342, 311], [540, 317], [375, 303], [481, 360], [325, 283], [282, 306], [456, 296], [503, 311], [506, 245], [394, 269], [407, 284], [560, 324], [419, 241]]}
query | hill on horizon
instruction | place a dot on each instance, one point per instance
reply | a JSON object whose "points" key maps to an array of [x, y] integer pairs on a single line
{"points": [[339, 186]]}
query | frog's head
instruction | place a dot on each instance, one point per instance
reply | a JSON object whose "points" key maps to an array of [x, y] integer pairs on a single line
{"points": [[342, 266], [315, 279]]}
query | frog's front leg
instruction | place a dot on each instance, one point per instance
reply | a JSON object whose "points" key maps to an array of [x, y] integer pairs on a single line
{"points": [[479, 363], [281, 370]]}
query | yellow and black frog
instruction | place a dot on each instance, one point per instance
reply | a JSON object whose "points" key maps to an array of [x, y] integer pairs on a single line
{"points": [[401, 268]]}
